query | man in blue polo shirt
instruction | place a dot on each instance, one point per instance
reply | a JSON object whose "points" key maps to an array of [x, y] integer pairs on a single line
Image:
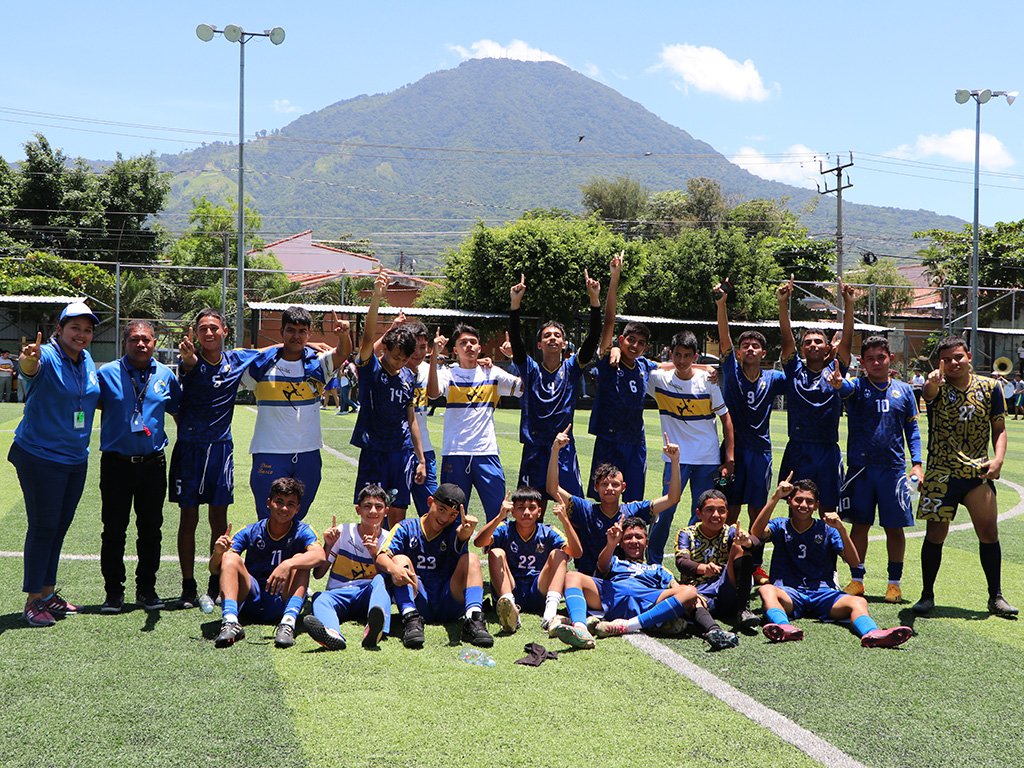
{"points": [[135, 393]]}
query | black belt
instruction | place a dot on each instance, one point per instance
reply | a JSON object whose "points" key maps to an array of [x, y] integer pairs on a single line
{"points": [[138, 459]]}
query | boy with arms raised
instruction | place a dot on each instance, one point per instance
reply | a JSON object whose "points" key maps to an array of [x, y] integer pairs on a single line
{"points": [[813, 407], [632, 594], [435, 577], [386, 430], [965, 412], [803, 570], [354, 588], [592, 519], [269, 585], [469, 451], [882, 418], [549, 390], [688, 404], [715, 557], [527, 559]]}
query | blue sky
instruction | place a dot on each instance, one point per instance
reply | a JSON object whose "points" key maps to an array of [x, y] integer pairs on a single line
{"points": [[772, 86]]}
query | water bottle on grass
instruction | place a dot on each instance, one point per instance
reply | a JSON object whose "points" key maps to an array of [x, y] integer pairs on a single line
{"points": [[475, 656]]}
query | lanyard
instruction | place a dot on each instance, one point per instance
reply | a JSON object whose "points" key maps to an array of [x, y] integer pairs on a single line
{"points": [[140, 395]]}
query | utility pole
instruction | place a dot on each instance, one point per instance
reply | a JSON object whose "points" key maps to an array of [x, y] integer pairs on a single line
{"points": [[838, 189]]}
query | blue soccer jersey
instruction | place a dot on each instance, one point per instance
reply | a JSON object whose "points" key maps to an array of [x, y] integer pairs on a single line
{"points": [[434, 560], [649, 575], [526, 557], [803, 560], [750, 402], [263, 553], [618, 409], [591, 526], [813, 405], [382, 423], [880, 419], [549, 399], [208, 396]]}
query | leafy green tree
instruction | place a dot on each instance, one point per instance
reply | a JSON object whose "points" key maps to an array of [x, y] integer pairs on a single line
{"points": [[664, 215], [891, 291], [42, 274], [621, 201], [133, 190], [705, 205], [761, 217]]}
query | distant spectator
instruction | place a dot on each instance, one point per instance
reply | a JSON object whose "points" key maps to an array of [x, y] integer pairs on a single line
{"points": [[6, 377]]}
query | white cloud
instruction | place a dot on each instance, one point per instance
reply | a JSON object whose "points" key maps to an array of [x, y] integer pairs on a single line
{"points": [[517, 49], [798, 165], [285, 107], [590, 69], [708, 69], [958, 145]]}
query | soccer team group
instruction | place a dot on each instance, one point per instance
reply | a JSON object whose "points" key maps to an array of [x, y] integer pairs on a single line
{"points": [[716, 439]]}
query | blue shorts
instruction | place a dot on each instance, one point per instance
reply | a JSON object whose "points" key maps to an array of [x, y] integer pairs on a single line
{"points": [[352, 602], [202, 473], [420, 493], [630, 460], [820, 462], [752, 481], [533, 469], [940, 498], [261, 607], [481, 472], [391, 470], [812, 603], [720, 596], [435, 603], [267, 467], [527, 594], [625, 599], [869, 487]]}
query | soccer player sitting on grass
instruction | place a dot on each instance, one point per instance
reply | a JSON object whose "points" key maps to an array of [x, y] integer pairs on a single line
{"points": [[716, 559], [632, 594], [355, 590], [592, 519], [803, 569], [434, 575], [270, 584], [527, 559]]}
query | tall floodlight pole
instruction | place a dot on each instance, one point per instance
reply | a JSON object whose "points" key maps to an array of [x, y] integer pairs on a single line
{"points": [[980, 97], [235, 34]]}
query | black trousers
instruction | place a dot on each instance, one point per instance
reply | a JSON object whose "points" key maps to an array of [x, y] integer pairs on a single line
{"points": [[122, 483]]}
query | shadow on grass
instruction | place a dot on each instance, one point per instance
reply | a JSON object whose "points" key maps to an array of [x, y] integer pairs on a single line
{"points": [[908, 617]]}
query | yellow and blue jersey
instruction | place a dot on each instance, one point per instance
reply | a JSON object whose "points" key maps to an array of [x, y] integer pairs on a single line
{"points": [[960, 426], [349, 559], [692, 544]]}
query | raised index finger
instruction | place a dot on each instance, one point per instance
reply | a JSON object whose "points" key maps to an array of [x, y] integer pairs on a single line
{"points": [[228, 531], [334, 521], [39, 337], [788, 479]]}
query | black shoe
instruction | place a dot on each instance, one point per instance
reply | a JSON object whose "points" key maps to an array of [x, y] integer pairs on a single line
{"points": [[149, 600], [319, 632], [113, 604], [719, 639], [997, 605], [926, 604], [189, 595], [746, 621], [230, 632], [413, 636], [374, 627], [474, 632], [285, 636]]}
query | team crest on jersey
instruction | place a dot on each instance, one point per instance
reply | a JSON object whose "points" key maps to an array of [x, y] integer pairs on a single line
{"points": [[261, 544], [515, 547], [897, 394], [819, 538], [867, 395], [444, 546], [952, 397], [539, 548], [414, 543]]}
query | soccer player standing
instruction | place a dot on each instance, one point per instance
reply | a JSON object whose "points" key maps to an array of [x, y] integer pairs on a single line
{"points": [[965, 412]]}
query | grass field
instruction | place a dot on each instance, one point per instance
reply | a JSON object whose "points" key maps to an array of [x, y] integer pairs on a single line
{"points": [[151, 690]]}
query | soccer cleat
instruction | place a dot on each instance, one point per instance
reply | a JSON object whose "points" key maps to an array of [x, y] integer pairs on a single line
{"points": [[855, 588], [113, 604], [720, 639], [612, 628], [893, 594], [189, 595], [230, 632], [374, 627], [555, 623], [413, 636], [746, 620], [998, 605], [149, 600], [508, 615], [36, 614], [886, 638], [781, 633], [474, 632], [924, 605], [329, 639], [58, 606], [760, 576], [576, 636], [285, 636]]}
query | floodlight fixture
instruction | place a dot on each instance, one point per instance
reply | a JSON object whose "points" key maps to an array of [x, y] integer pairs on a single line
{"points": [[205, 32], [276, 35], [963, 96]]}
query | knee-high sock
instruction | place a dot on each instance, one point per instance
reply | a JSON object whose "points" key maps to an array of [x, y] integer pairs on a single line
{"points": [[668, 609], [577, 605], [704, 620], [931, 559], [991, 564]]}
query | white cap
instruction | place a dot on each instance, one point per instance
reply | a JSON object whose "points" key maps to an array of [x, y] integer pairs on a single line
{"points": [[78, 309]]}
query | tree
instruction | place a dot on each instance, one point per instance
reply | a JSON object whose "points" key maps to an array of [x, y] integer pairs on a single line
{"points": [[888, 294], [620, 201], [665, 214], [134, 190], [705, 206], [42, 274], [761, 217]]}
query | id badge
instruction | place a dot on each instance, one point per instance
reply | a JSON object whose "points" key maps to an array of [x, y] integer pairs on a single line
{"points": [[79, 419], [137, 424]]}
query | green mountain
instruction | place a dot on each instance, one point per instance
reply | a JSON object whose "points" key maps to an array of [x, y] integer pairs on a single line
{"points": [[487, 139]]}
